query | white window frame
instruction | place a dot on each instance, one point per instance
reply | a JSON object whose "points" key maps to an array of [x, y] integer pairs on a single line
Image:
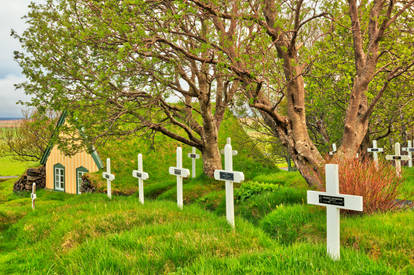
{"points": [[59, 179]]}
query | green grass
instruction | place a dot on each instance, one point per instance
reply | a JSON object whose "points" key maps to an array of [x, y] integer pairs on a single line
{"points": [[407, 189], [260, 205], [12, 167], [276, 231], [88, 234], [300, 258], [387, 237]]}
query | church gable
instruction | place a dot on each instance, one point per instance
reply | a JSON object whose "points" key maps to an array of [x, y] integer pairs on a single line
{"points": [[64, 173]]}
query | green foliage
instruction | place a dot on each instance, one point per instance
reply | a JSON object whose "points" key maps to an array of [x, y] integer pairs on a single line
{"points": [[251, 188], [330, 81], [293, 179], [28, 141], [387, 237]]}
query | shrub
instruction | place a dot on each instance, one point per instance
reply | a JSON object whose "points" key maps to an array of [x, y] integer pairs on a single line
{"points": [[293, 179], [250, 188], [379, 188]]}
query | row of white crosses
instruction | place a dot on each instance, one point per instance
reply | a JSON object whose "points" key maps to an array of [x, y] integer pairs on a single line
{"points": [[409, 149], [332, 199], [397, 157], [141, 175]]}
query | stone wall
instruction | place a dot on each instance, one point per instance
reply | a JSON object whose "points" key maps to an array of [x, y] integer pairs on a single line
{"points": [[25, 182], [87, 186]]}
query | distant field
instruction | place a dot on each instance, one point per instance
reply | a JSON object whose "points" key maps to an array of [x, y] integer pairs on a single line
{"points": [[12, 167], [10, 123]]}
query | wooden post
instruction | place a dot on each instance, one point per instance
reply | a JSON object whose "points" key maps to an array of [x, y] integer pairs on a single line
{"points": [[33, 195]]}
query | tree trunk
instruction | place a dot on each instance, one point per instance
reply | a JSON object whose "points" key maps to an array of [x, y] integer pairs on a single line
{"points": [[363, 148], [356, 123], [301, 149], [308, 161], [210, 150], [211, 158]]}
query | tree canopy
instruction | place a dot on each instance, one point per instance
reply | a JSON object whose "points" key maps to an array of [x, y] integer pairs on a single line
{"points": [[315, 71]]}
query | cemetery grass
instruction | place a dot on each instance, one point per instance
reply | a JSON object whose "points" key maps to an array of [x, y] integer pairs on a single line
{"points": [[276, 232], [407, 189], [89, 234]]}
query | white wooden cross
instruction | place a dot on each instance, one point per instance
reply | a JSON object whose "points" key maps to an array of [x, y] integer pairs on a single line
{"points": [[109, 177], [375, 150], [141, 176], [229, 176], [333, 149], [33, 195], [234, 152], [193, 157], [334, 201], [409, 149], [181, 173], [397, 158]]}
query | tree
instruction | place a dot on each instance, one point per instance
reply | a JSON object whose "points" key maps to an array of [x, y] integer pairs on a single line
{"points": [[291, 28], [328, 93], [263, 48], [123, 67], [29, 141]]}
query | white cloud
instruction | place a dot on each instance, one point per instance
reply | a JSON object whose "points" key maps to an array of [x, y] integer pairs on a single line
{"points": [[11, 12], [9, 96], [10, 18]]}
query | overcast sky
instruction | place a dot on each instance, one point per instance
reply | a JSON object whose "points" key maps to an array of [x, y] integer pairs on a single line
{"points": [[11, 12]]}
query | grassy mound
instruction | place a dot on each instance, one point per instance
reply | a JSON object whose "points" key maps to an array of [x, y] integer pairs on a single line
{"points": [[159, 154], [89, 234]]}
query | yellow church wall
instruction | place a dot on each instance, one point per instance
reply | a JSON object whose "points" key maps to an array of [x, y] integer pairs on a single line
{"points": [[70, 163]]}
